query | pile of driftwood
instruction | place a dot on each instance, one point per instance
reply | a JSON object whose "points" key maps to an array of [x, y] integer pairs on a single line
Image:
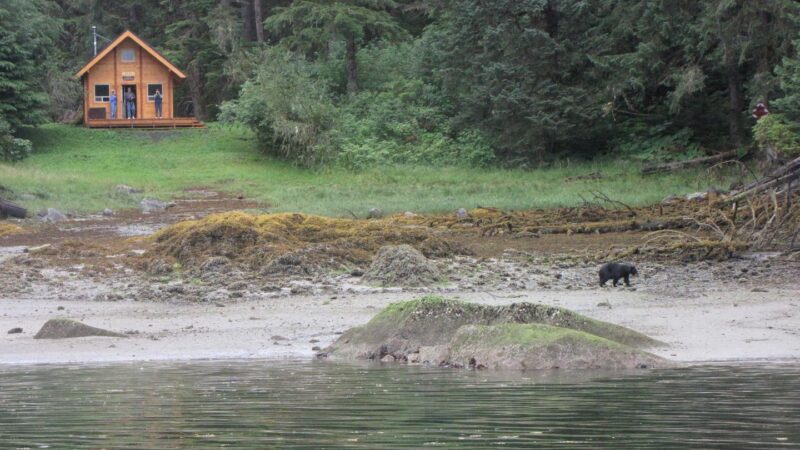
{"points": [[766, 212], [763, 215]]}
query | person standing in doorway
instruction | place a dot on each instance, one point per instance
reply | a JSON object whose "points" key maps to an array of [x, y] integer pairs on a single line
{"points": [[112, 100], [130, 104], [159, 99]]}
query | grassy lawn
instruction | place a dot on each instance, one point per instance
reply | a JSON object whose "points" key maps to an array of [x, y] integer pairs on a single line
{"points": [[75, 169]]}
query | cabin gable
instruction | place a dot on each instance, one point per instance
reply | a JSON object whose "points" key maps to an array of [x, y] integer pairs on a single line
{"points": [[128, 62]]}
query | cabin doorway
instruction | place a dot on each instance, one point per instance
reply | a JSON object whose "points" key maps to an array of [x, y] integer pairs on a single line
{"points": [[129, 111]]}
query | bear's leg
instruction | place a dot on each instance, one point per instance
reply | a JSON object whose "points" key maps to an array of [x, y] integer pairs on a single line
{"points": [[627, 281], [615, 281]]}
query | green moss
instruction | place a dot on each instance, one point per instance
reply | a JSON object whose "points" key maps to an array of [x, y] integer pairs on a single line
{"points": [[526, 335]]}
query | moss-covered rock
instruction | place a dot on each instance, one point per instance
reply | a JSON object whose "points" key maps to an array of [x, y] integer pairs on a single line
{"points": [[536, 347], [437, 331], [401, 265], [66, 328]]}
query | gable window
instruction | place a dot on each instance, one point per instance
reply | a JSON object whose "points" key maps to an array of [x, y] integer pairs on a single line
{"points": [[128, 55], [151, 91], [101, 93]]}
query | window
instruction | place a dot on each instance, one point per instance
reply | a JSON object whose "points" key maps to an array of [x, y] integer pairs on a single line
{"points": [[101, 93], [151, 92], [128, 55]]}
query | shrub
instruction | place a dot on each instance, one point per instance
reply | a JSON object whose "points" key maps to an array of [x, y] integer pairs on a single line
{"points": [[14, 149], [774, 133], [289, 109]]}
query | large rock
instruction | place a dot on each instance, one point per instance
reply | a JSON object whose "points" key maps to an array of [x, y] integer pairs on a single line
{"points": [[66, 328], [401, 265], [524, 335], [539, 347], [52, 215]]}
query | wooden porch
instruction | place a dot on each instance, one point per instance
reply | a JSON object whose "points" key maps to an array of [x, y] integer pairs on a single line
{"points": [[177, 122]]}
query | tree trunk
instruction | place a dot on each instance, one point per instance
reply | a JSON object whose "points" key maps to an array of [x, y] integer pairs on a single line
{"points": [[196, 91], [248, 21], [351, 66], [735, 122], [258, 18]]}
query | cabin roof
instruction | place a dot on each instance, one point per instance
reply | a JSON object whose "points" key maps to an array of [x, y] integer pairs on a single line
{"points": [[141, 43]]}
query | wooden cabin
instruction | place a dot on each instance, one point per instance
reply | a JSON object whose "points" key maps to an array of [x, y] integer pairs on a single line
{"points": [[129, 63]]}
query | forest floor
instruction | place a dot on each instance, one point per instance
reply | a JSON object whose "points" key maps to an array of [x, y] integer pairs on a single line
{"points": [[270, 296]]}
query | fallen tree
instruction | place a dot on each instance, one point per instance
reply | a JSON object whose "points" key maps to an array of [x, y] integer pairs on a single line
{"points": [[677, 165], [12, 209], [780, 178]]}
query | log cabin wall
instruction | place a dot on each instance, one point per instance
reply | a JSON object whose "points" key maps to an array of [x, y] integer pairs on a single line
{"points": [[129, 64]]}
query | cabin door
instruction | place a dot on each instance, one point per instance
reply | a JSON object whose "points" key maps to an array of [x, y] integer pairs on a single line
{"points": [[128, 112]]}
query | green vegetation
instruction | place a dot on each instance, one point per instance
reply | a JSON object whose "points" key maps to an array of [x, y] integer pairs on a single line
{"points": [[26, 35], [365, 84], [76, 169]]}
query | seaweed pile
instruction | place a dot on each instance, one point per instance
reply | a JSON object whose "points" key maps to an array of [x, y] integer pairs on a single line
{"points": [[290, 242]]}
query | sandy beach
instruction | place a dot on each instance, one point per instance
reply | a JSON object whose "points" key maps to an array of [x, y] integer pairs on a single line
{"points": [[730, 326]]}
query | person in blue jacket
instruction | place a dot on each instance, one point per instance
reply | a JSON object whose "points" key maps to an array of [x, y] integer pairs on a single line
{"points": [[113, 103]]}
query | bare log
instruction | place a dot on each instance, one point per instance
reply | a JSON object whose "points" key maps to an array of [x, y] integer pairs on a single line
{"points": [[12, 209], [677, 165], [791, 166], [763, 186]]}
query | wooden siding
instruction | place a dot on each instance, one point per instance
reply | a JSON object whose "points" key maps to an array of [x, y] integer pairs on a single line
{"points": [[146, 70]]}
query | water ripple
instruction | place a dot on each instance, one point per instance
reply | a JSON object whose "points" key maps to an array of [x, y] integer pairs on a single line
{"points": [[264, 405]]}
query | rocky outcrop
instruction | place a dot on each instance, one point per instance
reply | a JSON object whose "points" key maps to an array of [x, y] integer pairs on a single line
{"points": [[446, 332], [66, 328]]}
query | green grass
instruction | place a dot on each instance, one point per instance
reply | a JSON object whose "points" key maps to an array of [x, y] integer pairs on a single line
{"points": [[75, 169]]}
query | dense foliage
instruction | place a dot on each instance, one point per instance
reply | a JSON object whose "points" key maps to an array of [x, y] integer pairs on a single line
{"points": [[26, 35], [445, 82]]}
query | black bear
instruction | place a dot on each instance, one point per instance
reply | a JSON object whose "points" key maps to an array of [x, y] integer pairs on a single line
{"points": [[615, 271]]}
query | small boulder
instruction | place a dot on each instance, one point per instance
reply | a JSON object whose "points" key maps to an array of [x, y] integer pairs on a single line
{"points": [[697, 196], [375, 213], [149, 205], [108, 212], [16, 330], [52, 215], [401, 265], [462, 214], [125, 189], [67, 328], [409, 215]]}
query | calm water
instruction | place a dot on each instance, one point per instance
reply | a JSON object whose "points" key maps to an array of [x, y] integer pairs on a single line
{"points": [[265, 405]]}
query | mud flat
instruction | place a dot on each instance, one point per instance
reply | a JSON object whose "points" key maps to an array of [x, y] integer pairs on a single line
{"points": [[237, 285]]}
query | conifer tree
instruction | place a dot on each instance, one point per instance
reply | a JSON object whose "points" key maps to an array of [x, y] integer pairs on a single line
{"points": [[309, 26]]}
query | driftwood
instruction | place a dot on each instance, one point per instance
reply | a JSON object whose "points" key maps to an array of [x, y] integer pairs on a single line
{"points": [[778, 179], [765, 214], [12, 209], [677, 165]]}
